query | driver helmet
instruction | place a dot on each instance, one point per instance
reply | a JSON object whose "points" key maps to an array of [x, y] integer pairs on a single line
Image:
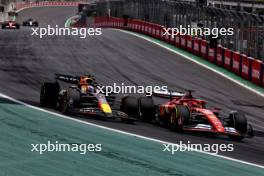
{"points": [[91, 89], [86, 80]]}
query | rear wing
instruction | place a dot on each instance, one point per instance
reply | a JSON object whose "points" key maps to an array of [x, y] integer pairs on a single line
{"points": [[168, 94], [67, 78]]}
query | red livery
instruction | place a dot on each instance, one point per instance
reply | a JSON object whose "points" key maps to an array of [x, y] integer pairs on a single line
{"points": [[10, 25], [185, 113]]}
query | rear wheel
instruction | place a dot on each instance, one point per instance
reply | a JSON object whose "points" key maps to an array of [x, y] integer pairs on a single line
{"points": [[239, 122], [180, 116], [130, 106], [147, 108], [70, 100], [49, 94]]}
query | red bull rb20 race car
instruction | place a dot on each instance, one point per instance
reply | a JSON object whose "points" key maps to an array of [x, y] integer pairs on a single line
{"points": [[83, 98]]}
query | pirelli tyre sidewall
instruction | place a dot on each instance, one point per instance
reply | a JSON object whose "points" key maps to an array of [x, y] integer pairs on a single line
{"points": [[147, 108], [179, 117], [130, 106], [70, 100], [238, 120]]}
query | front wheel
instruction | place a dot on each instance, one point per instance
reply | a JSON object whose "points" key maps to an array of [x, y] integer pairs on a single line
{"points": [[239, 122], [179, 117]]}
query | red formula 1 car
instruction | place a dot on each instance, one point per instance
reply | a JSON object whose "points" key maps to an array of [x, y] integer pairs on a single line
{"points": [[10, 25], [185, 113]]}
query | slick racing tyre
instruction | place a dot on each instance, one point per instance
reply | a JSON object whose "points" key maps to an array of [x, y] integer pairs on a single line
{"points": [[130, 106], [70, 100], [239, 122], [147, 108], [180, 116], [49, 95]]}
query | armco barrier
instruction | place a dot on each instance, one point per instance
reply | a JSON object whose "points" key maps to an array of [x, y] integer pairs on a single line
{"points": [[204, 52], [211, 54], [257, 71], [246, 67], [177, 41], [154, 31], [220, 55], [183, 42], [22, 5], [236, 65], [172, 40], [189, 43], [159, 32], [228, 59], [145, 28], [166, 37], [197, 46]]}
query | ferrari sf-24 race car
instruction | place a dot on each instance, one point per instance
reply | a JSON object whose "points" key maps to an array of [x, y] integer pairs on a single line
{"points": [[83, 98], [185, 113], [30, 22], [10, 25]]}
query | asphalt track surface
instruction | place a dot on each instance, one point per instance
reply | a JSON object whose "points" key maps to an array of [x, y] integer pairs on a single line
{"points": [[26, 61]]}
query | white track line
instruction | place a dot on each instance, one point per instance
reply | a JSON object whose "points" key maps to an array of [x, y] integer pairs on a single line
{"points": [[120, 131], [195, 61]]}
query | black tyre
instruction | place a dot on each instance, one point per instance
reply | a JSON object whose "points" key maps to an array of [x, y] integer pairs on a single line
{"points": [[161, 119], [147, 108], [74, 97], [180, 116], [49, 95], [130, 106], [239, 122], [70, 100]]}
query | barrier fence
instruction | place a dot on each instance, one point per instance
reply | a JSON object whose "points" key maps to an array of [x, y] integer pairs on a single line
{"points": [[22, 5], [246, 67]]}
